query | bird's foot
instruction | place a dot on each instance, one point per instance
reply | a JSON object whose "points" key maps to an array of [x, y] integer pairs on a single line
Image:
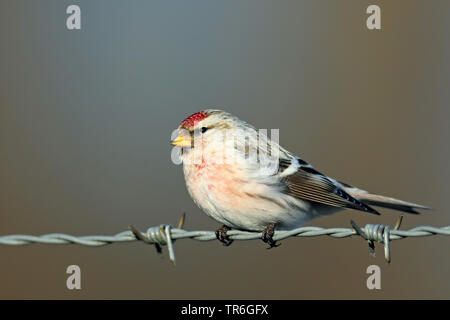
{"points": [[221, 235], [267, 236]]}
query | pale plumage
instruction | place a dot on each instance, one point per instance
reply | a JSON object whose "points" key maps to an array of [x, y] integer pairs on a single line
{"points": [[246, 193]]}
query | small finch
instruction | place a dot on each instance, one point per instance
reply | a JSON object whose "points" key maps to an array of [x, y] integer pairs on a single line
{"points": [[246, 181]]}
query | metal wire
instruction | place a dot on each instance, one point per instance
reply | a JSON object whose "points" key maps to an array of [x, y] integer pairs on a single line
{"points": [[166, 234]]}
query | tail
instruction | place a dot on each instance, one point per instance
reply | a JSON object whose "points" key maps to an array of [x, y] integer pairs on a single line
{"points": [[385, 202]]}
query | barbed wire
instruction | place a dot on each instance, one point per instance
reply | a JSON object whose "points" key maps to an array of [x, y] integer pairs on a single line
{"points": [[167, 234]]}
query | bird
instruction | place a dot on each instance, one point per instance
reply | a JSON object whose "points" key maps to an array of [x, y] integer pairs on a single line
{"points": [[246, 181]]}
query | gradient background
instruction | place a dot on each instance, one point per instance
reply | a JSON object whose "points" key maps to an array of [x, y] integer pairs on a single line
{"points": [[86, 117]]}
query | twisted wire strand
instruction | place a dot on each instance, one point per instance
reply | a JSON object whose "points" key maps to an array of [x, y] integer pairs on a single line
{"points": [[175, 233], [166, 235]]}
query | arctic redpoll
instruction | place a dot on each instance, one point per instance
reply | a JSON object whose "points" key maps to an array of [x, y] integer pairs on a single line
{"points": [[244, 180]]}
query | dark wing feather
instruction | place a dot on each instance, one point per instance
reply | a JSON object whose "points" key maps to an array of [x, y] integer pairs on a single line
{"points": [[309, 184], [383, 201]]}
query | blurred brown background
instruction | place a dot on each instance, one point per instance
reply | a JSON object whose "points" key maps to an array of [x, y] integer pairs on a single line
{"points": [[86, 117]]}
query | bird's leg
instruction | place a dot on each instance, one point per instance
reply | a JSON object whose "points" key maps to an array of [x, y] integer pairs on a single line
{"points": [[221, 235], [267, 235]]}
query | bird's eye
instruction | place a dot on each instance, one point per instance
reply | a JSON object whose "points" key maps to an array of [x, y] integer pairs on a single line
{"points": [[204, 129]]}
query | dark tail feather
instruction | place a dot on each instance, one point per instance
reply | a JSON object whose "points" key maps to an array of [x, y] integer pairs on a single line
{"points": [[387, 202]]}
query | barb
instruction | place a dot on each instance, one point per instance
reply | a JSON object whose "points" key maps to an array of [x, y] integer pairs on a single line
{"points": [[166, 235], [379, 233]]}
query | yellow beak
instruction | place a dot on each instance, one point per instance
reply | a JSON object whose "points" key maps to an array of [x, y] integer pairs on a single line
{"points": [[182, 141]]}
